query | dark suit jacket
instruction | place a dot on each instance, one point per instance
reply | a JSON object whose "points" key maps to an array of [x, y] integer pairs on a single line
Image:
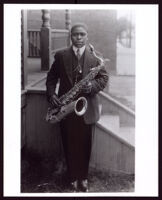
{"points": [[61, 69]]}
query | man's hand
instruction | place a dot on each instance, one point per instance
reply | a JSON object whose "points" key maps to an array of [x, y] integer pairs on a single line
{"points": [[54, 100], [87, 88]]}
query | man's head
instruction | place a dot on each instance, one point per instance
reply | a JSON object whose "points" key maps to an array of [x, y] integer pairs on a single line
{"points": [[79, 35]]}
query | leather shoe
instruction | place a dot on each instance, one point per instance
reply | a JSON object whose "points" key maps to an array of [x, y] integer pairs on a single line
{"points": [[74, 186], [84, 185]]}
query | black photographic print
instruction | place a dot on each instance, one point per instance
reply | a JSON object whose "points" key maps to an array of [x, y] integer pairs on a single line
{"points": [[78, 102]]}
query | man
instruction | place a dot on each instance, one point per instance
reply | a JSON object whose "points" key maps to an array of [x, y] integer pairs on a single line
{"points": [[70, 66]]}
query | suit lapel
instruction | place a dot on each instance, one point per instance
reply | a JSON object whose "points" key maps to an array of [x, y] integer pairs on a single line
{"points": [[88, 62], [67, 58]]}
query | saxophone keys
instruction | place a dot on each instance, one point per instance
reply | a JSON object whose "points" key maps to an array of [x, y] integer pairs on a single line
{"points": [[63, 102], [74, 92]]}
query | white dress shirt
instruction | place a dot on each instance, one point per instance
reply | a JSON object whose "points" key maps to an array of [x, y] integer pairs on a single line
{"points": [[81, 50]]}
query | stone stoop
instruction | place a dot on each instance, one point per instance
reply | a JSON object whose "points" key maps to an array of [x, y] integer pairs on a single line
{"points": [[112, 123], [118, 119], [111, 106], [128, 134], [113, 148]]}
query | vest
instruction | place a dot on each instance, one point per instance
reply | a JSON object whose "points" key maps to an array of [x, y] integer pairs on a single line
{"points": [[75, 73]]}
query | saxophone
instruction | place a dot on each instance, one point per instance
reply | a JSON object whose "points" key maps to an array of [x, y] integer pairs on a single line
{"points": [[69, 105]]}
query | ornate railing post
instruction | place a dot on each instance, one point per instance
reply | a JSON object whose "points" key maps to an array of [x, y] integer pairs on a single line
{"points": [[45, 42], [68, 24]]}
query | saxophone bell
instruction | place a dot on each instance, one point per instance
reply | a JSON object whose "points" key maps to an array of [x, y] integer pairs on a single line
{"points": [[80, 106]]}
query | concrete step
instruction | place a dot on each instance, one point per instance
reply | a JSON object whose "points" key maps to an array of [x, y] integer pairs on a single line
{"points": [[128, 134], [112, 106], [111, 122]]}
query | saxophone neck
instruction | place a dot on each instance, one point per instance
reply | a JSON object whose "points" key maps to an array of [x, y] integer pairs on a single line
{"points": [[99, 58]]}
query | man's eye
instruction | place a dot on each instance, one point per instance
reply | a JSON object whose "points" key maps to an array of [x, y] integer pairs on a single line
{"points": [[77, 34], [82, 34]]}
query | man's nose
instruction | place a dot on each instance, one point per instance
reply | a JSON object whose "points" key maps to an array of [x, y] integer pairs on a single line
{"points": [[78, 36]]}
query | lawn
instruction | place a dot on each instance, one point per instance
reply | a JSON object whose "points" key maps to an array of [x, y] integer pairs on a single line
{"points": [[38, 181]]}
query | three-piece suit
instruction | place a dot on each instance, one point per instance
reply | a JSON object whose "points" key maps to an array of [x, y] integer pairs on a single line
{"points": [[76, 130]]}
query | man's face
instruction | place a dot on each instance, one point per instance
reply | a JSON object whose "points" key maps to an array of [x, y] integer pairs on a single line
{"points": [[79, 37]]}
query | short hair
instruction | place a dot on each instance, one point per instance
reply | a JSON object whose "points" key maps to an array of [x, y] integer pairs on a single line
{"points": [[79, 25]]}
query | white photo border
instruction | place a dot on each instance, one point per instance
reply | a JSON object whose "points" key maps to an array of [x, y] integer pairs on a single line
{"points": [[146, 163]]}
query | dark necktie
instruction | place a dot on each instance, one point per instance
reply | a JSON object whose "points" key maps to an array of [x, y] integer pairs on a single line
{"points": [[78, 57]]}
